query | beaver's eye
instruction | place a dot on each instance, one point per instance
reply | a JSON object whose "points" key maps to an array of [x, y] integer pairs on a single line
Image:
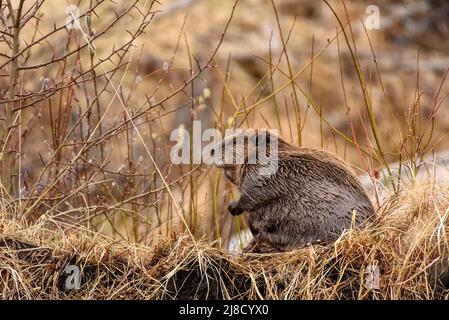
{"points": [[212, 152]]}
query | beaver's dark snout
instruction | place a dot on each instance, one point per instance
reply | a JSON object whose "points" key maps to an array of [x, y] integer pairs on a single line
{"points": [[234, 208]]}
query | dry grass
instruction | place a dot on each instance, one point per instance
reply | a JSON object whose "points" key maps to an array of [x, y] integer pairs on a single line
{"points": [[408, 242]]}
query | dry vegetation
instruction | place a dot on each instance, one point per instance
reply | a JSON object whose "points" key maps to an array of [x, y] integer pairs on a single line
{"points": [[408, 243], [86, 116]]}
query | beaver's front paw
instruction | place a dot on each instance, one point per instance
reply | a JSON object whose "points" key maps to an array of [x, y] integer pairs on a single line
{"points": [[234, 208]]}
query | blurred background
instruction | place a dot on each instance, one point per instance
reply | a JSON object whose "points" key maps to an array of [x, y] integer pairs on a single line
{"points": [[363, 79]]}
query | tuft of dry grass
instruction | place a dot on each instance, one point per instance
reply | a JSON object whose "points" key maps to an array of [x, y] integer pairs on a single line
{"points": [[408, 243]]}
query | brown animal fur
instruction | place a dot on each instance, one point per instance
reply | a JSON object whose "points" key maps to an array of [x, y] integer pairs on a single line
{"points": [[312, 197]]}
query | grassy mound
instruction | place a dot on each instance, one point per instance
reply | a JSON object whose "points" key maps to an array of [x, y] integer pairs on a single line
{"points": [[407, 245]]}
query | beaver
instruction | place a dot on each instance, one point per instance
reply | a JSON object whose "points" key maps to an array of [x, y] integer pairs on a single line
{"points": [[311, 195]]}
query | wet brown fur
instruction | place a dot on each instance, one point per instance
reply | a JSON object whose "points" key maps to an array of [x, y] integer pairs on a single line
{"points": [[313, 197]]}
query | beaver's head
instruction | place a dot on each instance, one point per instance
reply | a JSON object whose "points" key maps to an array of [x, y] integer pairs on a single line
{"points": [[246, 147]]}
